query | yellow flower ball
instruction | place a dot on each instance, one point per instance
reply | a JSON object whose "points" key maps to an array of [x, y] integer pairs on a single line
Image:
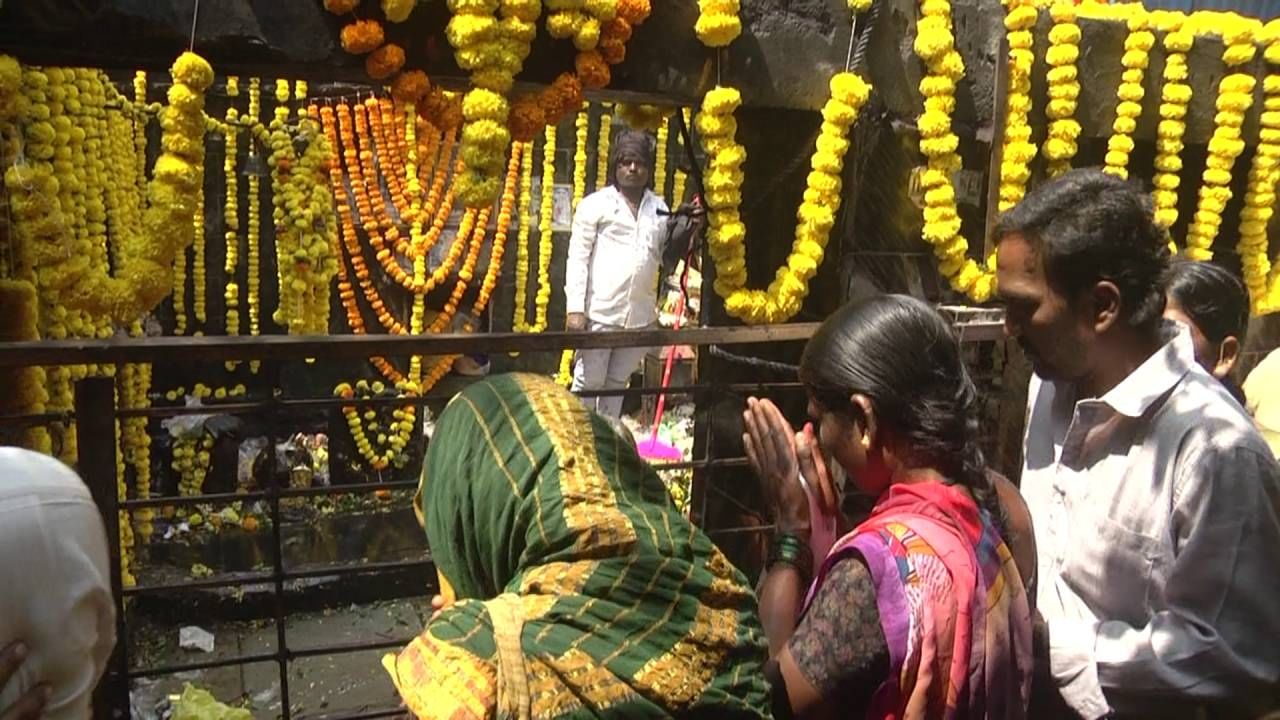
{"points": [[1064, 33], [191, 69], [1058, 55]]}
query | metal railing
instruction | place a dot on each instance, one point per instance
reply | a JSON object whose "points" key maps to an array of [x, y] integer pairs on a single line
{"points": [[96, 412]]}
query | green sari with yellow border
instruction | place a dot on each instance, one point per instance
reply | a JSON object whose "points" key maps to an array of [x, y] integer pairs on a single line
{"points": [[580, 590]]}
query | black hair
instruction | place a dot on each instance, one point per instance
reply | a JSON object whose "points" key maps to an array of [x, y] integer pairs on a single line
{"points": [[1089, 226], [902, 354], [1212, 297], [637, 141]]}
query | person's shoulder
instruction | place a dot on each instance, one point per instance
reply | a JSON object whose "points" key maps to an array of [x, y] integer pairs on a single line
{"points": [[1207, 423]]}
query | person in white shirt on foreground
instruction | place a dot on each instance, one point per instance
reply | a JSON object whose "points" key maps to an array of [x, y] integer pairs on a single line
{"points": [[620, 234], [1154, 499], [57, 618]]}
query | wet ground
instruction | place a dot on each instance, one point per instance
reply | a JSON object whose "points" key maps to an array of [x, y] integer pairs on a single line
{"points": [[328, 685]]}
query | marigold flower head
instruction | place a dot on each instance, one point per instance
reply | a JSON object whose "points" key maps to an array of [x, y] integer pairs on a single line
{"points": [[527, 118], [193, 70], [410, 86], [397, 11], [592, 69], [361, 36], [849, 88], [340, 7], [385, 61], [717, 30]]}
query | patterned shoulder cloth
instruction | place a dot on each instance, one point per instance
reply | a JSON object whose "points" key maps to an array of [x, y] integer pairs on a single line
{"points": [[952, 606], [581, 590]]}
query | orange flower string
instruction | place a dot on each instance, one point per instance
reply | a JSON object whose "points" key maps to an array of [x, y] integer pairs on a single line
{"points": [[506, 208]]}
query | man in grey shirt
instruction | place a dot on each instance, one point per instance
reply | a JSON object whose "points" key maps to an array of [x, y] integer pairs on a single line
{"points": [[1155, 502]]}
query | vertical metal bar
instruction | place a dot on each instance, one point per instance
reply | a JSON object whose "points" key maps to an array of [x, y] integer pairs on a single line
{"points": [[96, 457], [277, 559]]}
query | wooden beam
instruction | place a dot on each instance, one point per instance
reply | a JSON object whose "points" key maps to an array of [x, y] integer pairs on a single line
{"points": [[286, 347]]}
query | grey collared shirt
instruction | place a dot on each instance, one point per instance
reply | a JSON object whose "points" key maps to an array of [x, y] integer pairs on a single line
{"points": [[1157, 517]]}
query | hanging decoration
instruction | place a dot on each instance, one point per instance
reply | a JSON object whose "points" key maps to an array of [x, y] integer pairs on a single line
{"points": [[143, 276], [1235, 97], [1175, 95], [935, 45], [718, 24], [1064, 89], [231, 212], [603, 138], [1137, 51], [581, 127], [660, 162], [519, 321], [727, 234], [1017, 150], [1259, 201], [253, 256], [546, 198]]}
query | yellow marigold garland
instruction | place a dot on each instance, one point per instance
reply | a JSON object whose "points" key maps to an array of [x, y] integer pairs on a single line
{"points": [[718, 23], [935, 44], [1175, 96], [1137, 52], [253, 246], [143, 277], [231, 212], [660, 162], [492, 48], [581, 126], [602, 144], [519, 321], [545, 206], [1260, 198], [198, 275], [24, 387], [816, 215], [1235, 97], [1064, 88], [1017, 149]]}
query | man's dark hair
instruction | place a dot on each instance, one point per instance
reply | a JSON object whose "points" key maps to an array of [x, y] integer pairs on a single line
{"points": [[1089, 226], [636, 142]]}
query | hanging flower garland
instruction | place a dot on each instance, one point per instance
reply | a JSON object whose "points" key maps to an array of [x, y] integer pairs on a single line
{"points": [[935, 45], [143, 277], [602, 145], [231, 212], [198, 274], [253, 258], [1260, 198], [1235, 97], [519, 321], [493, 50], [1137, 52], [660, 163], [305, 224], [814, 219], [546, 197], [386, 447], [718, 24], [1175, 97], [506, 209], [1017, 150], [651, 118], [581, 127], [1064, 89]]}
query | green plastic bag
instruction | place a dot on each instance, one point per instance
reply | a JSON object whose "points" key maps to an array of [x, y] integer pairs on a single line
{"points": [[199, 704]]}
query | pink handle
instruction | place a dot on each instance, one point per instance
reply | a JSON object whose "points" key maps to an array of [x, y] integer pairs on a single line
{"points": [[666, 376]]}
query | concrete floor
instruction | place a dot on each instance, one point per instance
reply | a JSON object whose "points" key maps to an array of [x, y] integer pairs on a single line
{"points": [[325, 686]]}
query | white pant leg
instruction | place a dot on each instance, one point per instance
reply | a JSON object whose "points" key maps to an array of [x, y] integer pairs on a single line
{"points": [[622, 363], [589, 372]]}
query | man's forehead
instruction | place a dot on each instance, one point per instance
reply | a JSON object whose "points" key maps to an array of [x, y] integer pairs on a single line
{"points": [[1019, 255]]}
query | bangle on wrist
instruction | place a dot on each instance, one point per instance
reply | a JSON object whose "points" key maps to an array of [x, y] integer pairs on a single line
{"points": [[792, 550]]}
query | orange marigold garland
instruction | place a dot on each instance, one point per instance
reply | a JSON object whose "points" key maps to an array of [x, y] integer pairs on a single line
{"points": [[361, 36]]}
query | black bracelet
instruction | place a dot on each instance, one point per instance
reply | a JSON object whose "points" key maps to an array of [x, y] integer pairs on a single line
{"points": [[792, 550]]}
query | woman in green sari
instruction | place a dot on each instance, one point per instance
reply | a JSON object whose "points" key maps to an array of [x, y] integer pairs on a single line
{"points": [[573, 587]]}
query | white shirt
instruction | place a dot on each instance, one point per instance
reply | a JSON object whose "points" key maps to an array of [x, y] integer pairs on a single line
{"points": [[55, 582], [614, 259], [1158, 535]]}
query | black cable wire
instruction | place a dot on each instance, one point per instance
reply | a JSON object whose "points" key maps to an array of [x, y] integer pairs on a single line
{"points": [[754, 362]]}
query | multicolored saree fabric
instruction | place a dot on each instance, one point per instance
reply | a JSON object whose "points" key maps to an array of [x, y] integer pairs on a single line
{"points": [[582, 592], [952, 607]]}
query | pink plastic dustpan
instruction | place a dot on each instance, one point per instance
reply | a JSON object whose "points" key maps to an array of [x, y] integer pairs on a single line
{"points": [[653, 448]]}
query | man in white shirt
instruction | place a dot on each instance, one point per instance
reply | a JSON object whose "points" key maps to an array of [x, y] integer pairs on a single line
{"points": [[1155, 502], [620, 233]]}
